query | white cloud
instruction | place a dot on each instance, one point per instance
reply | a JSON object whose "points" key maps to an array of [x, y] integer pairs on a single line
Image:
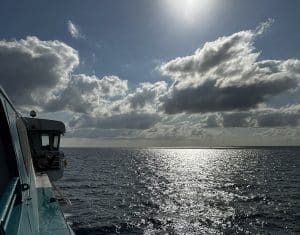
{"points": [[74, 30], [145, 98], [85, 94], [262, 27], [226, 74]]}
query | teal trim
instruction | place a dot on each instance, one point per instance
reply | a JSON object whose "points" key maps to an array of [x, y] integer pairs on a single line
{"points": [[7, 202]]}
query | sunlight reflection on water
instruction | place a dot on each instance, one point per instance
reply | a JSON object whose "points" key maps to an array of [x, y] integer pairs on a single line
{"points": [[188, 177]]}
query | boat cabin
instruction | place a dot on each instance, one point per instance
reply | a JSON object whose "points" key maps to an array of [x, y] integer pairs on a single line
{"points": [[44, 138]]}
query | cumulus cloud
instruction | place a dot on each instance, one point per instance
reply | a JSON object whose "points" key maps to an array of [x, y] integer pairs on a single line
{"points": [[74, 30], [39, 74], [127, 110], [226, 74], [32, 70], [147, 93], [84, 93], [146, 98], [223, 84]]}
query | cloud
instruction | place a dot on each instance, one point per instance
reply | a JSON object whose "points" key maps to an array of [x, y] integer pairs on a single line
{"points": [[146, 98], [226, 74], [147, 93], [262, 27], [136, 110], [84, 94], [283, 117], [184, 130], [131, 120], [32, 71], [237, 119], [212, 120], [74, 30], [39, 74], [287, 116], [224, 84], [93, 133]]}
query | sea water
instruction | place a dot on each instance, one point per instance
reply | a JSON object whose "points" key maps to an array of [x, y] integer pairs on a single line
{"points": [[183, 191]]}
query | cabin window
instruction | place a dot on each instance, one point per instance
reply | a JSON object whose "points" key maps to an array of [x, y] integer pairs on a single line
{"points": [[45, 140], [55, 141]]}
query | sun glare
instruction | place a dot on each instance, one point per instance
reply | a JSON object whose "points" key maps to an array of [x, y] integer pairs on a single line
{"points": [[187, 11]]}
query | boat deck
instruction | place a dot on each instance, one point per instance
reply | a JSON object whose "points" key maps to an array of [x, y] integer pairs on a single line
{"points": [[51, 218]]}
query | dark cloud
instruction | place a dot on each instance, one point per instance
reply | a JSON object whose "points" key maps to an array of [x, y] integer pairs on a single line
{"points": [[238, 119], [32, 70], [227, 74], [210, 98], [279, 118], [212, 120], [121, 121], [101, 133], [288, 116]]}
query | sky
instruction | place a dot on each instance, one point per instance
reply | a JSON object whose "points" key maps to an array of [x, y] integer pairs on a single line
{"points": [[159, 73]]}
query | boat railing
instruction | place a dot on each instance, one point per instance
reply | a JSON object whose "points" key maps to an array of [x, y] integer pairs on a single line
{"points": [[7, 202]]}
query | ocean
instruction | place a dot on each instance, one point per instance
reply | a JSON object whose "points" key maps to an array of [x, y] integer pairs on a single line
{"points": [[182, 191]]}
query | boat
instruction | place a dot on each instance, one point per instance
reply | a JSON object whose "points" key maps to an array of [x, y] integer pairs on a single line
{"points": [[30, 162]]}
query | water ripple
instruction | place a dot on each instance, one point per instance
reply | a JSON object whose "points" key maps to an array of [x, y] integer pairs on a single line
{"points": [[183, 191]]}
